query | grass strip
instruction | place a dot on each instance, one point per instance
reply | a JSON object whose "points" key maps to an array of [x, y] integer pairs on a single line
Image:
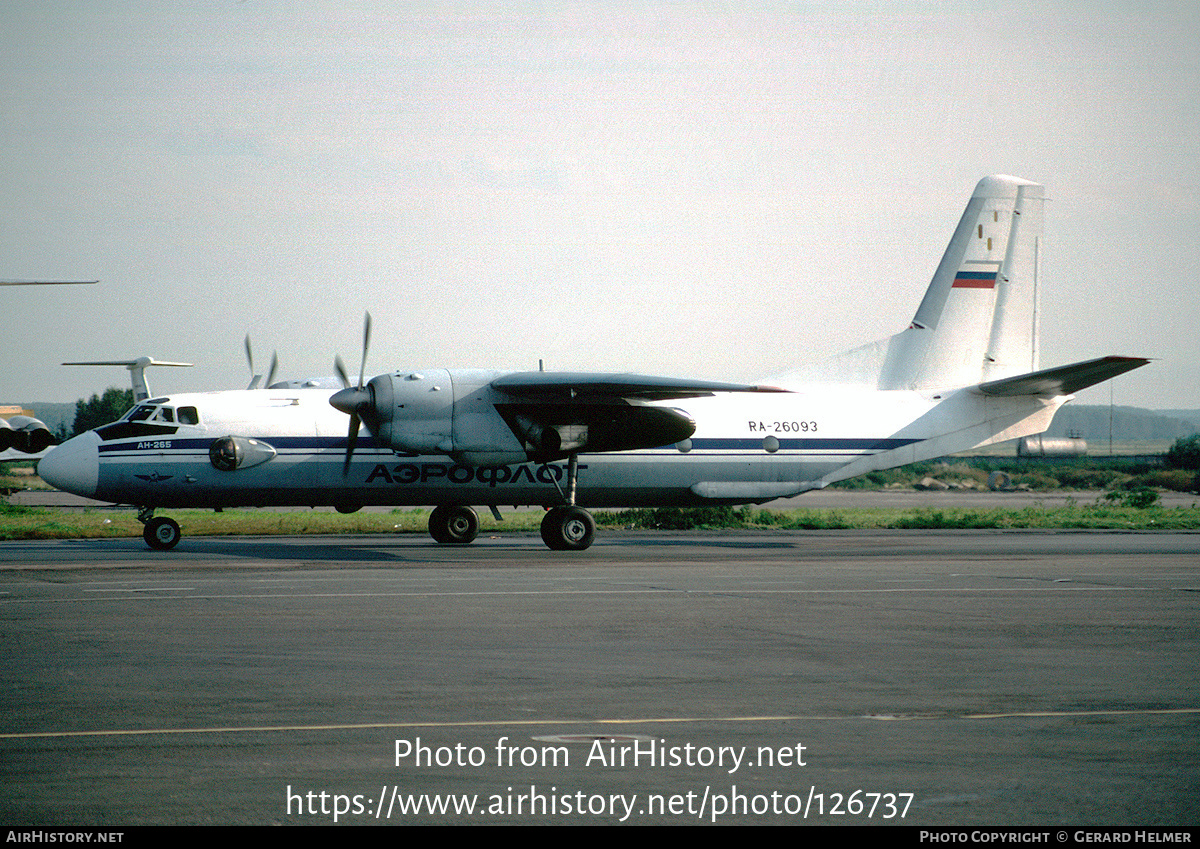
{"points": [[18, 522]]}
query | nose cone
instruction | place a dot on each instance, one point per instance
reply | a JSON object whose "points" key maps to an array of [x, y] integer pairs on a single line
{"points": [[73, 466]]}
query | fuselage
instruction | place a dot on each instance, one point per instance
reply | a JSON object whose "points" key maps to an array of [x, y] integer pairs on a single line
{"points": [[746, 448]]}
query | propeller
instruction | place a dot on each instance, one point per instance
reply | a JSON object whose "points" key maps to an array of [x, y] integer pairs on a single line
{"points": [[254, 378], [354, 400]]}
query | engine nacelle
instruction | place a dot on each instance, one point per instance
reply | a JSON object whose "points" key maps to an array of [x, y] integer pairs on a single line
{"points": [[413, 412], [463, 415], [27, 434], [436, 411]]}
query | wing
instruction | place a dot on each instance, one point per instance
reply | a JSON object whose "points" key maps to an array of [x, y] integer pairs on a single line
{"points": [[571, 385], [555, 414]]}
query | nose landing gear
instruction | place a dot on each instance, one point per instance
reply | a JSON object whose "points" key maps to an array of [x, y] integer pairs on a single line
{"points": [[161, 533]]}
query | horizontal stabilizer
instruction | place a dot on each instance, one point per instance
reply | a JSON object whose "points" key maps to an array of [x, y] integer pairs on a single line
{"points": [[591, 385], [1064, 380], [137, 372], [140, 362]]}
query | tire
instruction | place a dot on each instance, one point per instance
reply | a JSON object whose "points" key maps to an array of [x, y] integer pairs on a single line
{"points": [[457, 525], [568, 529], [1000, 482], [551, 535], [437, 525], [161, 533]]}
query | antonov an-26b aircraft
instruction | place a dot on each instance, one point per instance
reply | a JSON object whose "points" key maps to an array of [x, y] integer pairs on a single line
{"points": [[963, 374]]}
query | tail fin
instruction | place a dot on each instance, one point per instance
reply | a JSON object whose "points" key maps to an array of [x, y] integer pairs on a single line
{"points": [[978, 320]]}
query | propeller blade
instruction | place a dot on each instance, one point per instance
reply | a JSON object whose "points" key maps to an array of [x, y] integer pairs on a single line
{"points": [[357, 400], [351, 440], [254, 378], [366, 344]]}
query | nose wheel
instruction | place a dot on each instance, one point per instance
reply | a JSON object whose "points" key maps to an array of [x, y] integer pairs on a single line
{"points": [[161, 533]]}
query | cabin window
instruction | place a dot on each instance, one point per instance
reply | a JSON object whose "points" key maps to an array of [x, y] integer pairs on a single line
{"points": [[165, 414], [188, 416]]}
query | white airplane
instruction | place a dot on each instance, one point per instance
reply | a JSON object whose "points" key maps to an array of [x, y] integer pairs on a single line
{"points": [[963, 374]]}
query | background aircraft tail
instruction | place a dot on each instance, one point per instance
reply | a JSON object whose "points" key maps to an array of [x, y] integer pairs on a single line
{"points": [[978, 319]]}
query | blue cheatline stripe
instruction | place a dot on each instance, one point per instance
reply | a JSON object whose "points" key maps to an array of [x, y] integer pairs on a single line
{"points": [[367, 445], [829, 444], [279, 443]]}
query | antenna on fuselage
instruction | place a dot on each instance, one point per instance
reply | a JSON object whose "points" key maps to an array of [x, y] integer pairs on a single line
{"points": [[137, 372]]}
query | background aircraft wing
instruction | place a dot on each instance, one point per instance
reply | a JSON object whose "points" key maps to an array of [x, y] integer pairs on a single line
{"points": [[47, 282]]}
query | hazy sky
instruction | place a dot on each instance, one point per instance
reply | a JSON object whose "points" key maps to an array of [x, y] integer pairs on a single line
{"points": [[706, 189]]}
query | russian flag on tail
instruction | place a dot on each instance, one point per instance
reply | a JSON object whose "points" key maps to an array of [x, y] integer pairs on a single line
{"points": [[974, 280]]}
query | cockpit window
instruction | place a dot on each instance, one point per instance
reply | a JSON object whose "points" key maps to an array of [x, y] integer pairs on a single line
{"points": [[149, 419], [166, 415]]}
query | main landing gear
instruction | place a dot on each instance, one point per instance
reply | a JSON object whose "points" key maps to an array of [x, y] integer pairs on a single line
{"points": [[568, 528], [565, 527], [161, 533], [455, 525]]}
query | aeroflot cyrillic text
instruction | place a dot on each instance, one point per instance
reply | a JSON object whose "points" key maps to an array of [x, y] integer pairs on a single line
{"points": [[406, 473]]}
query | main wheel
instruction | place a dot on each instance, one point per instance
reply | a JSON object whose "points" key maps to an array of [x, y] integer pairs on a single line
{"points": [[568, 529], [161, 533], [456, 525], [437, 524]]}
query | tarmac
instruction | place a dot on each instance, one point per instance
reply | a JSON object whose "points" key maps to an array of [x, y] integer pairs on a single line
{"points": [[979, 678]]}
